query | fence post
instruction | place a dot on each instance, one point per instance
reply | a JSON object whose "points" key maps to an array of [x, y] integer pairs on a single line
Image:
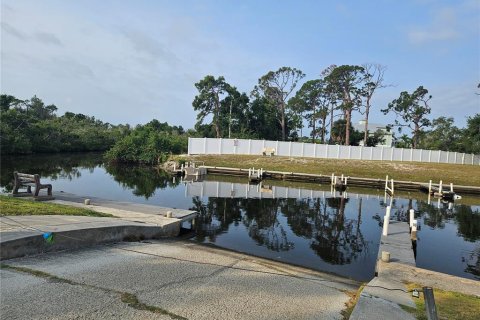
{"points": [[303, 149], [392, 150], [381, 154], [219, 146], [326, 151], [249, 146], [473, 158], [349, 152], [456, 157], [371, 153], [276, 149], [439, 155], [361, 152], [463, 158], [448, 156], [205, 145], [338, 151], [189, 144], [401, 155], [315, 150], [429, 155], [411, 154], [290, 149]]}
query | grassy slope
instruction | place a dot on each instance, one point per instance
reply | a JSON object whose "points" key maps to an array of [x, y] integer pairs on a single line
{"points": [[22, 207], [450, 305], [468, 175]]}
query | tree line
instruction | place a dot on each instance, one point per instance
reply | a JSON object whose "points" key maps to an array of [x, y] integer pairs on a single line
{"points": [[272, 111], [31, 126], [275, 110]]}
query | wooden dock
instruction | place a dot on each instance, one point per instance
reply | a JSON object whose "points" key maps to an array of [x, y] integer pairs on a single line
{"points": [[326, 179]]}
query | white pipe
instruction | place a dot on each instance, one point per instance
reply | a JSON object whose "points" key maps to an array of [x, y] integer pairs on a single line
{"points": [[386, 221]]}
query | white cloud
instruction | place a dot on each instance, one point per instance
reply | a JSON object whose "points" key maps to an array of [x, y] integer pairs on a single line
{"points": [[443, 27]]}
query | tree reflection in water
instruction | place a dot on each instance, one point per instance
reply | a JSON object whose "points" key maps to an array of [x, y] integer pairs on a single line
{"points": [[468, 227], [333, 237], [54, 166], [143, 180], [467, 220]]}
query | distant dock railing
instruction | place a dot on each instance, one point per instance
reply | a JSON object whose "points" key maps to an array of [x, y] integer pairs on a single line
{"points": [[302, 149]]}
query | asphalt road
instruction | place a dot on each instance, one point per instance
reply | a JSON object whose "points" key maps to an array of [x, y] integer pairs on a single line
{"points": [[165, 280]]}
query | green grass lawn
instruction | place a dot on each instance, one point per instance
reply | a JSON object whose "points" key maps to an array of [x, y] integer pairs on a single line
{"points": [[467, 175], [10, 206], [450, 305]]}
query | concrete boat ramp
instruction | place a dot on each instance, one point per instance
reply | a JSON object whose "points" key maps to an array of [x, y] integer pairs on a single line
{"points": [[161, 273], [24, 235]]}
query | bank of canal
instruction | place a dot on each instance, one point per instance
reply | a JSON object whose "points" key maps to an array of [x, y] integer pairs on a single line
{"points": [[296, 223]]}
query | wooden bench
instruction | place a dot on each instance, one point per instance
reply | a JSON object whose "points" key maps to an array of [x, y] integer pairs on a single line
{"points": [[270, 151], [29, 181]]}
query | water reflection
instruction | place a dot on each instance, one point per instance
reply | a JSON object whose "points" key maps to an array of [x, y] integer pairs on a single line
{"points": [[142, 180], [55, 166], [301, 224], [467, 219], [295, 226]]}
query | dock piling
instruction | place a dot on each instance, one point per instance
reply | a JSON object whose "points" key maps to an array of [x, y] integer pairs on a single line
{"points": [[412, 217], [386, 221]]}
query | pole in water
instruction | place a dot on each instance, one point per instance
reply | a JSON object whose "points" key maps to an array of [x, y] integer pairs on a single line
{"points": [[429, 191], [412, 216], [386, 221]]}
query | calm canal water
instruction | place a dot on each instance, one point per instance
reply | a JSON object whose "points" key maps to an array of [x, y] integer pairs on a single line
{"points": [[300, 224]]}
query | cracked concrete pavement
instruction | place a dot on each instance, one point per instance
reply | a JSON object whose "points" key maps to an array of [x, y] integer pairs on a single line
{"points": [[186, 279]]}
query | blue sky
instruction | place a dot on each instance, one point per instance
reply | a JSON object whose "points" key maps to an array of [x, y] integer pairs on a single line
{"points": [[132, 61]]}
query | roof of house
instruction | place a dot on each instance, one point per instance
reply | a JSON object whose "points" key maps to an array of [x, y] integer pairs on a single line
{"points": [[372, 127]]}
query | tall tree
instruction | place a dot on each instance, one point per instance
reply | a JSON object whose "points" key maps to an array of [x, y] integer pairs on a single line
{"points": [[413, 109], [262, 120], [347, 83], [330, 95], [443, 136], [312, 100], [208, 101], [471, 135], [374, 80], [236, 113], [276, 87]]}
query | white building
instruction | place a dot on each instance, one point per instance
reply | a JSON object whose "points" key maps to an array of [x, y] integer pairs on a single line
{"points": [[372, 128]]}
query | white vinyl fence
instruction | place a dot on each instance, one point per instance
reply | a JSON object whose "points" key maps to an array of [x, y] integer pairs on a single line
{"points": [[301, 149]]}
